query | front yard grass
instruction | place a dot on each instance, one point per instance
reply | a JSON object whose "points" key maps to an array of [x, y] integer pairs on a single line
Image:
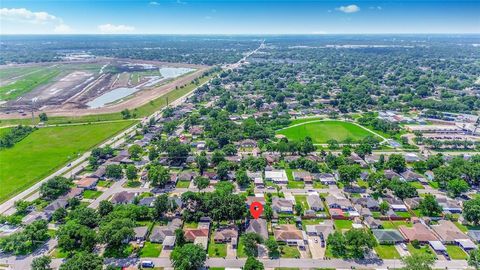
{"points": [[395, 224], [183, 184], [150, 250], [91, 194], [216, 250], [241, 247], [417, 185], [456, 252], [289, 251], [302, 199], [387, 252], [422, 250]]}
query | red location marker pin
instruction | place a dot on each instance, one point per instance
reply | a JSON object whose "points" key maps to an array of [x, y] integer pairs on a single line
{"points": [[256, 209]]}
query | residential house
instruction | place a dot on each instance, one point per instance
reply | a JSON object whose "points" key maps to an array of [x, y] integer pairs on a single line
{"points": [[276, 176], [372, 222], [140, 233], [338, 201], [396, 204], [410, 175], [289, 234], [314, 202], [251, 199], [258, 226], [147, 201], [367, 202], [325, 178], [169, 242], [449, 205], [257, 179], [87, 183], [447, 232], [389, 236], [418, 231], [226, 234], [389, 174], [323, 229], [302, 176], [123, 197], [281, 205]]}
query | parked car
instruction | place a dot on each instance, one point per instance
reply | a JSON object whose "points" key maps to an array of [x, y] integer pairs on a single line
{"points": [[147, 264]]}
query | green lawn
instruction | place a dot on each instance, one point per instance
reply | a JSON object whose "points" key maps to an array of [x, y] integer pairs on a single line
{"points": [[47, 149], [241, 248], [342, 224], [91, 194], [104, 183], [302, 199], [190, 225], [395, 224], [322, 131], [295, 184], [150, 250], [422, 250], [27, 83], [387, 252], [183, 184], [289, 252], [417, 185], [216, 250], [456, 252]]}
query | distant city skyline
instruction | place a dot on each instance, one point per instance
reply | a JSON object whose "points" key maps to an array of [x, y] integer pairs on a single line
{"points": [[238, 17]]}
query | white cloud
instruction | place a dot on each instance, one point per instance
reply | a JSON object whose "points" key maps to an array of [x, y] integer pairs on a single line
{"points": [[62, 29], [154, 3], [377, 8], [25, 15], [115, 29], [349, 9], [22, 20]]}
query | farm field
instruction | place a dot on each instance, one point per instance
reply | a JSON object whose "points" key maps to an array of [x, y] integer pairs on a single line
{"points": [[323, 131], [45, 150]]}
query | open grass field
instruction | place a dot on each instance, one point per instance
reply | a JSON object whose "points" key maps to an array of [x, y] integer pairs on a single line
{"points": [[27, 83], [456, 252], [216, 250], [322, 131], [46, 149]]}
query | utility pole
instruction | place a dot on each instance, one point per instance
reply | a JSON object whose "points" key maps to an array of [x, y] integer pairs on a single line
{"points": [[167, 100]]}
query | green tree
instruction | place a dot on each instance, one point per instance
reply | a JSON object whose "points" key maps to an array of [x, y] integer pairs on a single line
{"points": [[114, 171], [384, 207], [471, 210], [349, 173], [43, 117], [179, 238], [131, 172], [74, 237], [397, 163], [160, 206], [299, 209], [474, 259], [242, 178], [307, 146], [188, 257], [135, 151], [158, 175], [114, 232], [456, 187], [338, 245], [82, 261], [359, 242], [253, 264], [55, 187], [272, 247], [429, 206], [251, 240], [85, 215], [201, 182], [41, 263], [202, 163], [105, 208], [59, 215], [418, 261]]}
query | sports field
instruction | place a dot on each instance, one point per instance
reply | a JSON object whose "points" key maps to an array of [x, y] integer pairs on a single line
{"points": [[45, 150], [322, 131]]}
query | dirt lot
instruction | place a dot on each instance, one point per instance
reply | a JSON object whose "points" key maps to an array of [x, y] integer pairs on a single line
{"points": [[68, 93]]}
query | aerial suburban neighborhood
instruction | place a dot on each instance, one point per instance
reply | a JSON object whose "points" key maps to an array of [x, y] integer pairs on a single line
{"points": [[242, 152]]}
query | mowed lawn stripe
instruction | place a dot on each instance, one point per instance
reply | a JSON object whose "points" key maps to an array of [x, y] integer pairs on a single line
{"points": [[322, 131], [45, 150]]}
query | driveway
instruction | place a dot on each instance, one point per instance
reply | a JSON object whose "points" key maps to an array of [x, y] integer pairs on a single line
{"points": [[316, 248]]}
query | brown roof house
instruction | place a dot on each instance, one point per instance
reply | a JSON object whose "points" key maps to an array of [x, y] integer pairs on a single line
{"points": [[289, 234], [448, 232], [418, 231], [226, 234], [123, 197], [87, 183]]}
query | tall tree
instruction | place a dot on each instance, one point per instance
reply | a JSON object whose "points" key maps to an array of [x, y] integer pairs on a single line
{"points": [[188, 257], [253, 264], [41, 263], [418, 261]]}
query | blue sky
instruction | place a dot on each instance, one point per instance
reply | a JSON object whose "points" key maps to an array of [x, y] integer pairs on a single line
{"points": [[237, 17]]}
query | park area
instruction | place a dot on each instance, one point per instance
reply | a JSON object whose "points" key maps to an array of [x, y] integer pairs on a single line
{"points": [[322, 131], [47, 149]]}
